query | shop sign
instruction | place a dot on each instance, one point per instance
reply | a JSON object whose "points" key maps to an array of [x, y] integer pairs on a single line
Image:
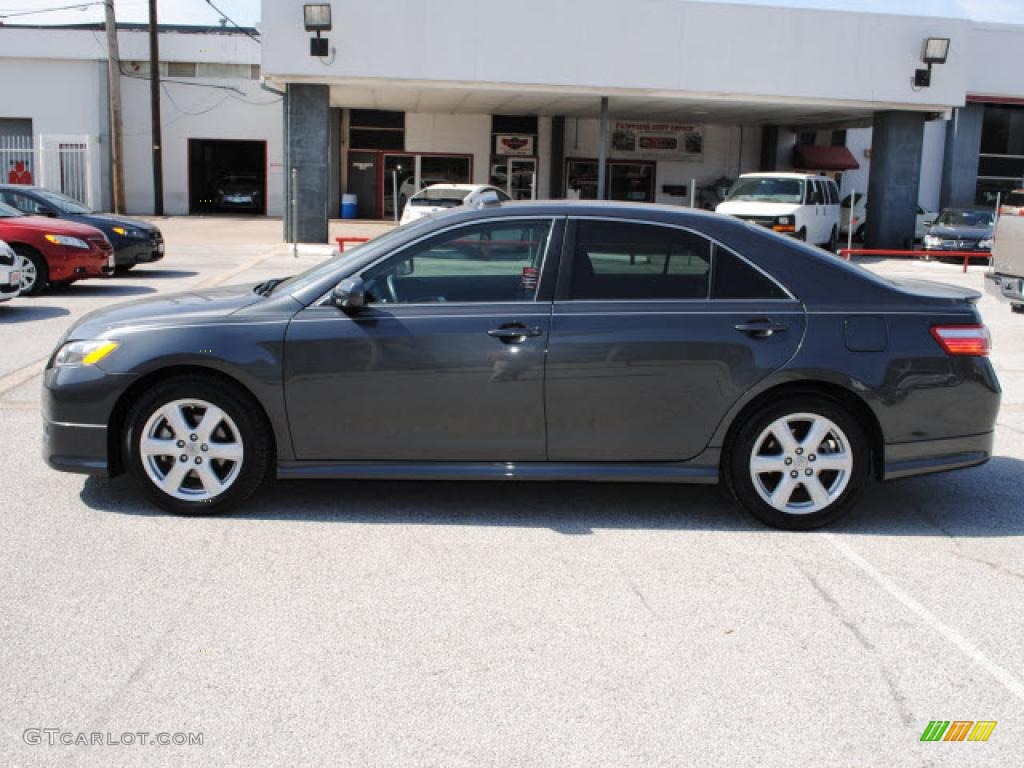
{"points": [[514, 145], [663, 139]]}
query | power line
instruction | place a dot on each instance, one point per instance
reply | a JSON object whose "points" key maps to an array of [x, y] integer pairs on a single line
{"points": [[231, 21], [75, 7]]}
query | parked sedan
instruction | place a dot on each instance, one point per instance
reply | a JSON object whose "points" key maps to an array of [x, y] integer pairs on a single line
{"points": [[54, 252], [441, 197], [537, 341], [961, 229], [10, 273], [134, 241], [240, 193]]}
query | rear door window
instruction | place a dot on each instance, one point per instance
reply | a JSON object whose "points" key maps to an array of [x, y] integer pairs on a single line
{"points": [[633, 261], [735, 279]]}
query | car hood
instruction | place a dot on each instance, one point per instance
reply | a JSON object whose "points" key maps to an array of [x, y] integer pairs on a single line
{"points": [[54, 226], [754, 208], [107, 221], [961, 233], [167, 310]]}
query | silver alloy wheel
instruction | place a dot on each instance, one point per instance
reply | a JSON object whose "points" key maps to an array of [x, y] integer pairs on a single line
{"points": [[191, 450], [29, 275], [801, 463]]}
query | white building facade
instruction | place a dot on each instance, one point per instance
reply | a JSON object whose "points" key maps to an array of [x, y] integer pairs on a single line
{"points": [[217, 120]]}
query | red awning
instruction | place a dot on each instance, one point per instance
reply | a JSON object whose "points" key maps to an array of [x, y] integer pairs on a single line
{"points": [[810, 157]]}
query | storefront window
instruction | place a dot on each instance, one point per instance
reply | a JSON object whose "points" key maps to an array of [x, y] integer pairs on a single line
{"points": [[1001, 165], [627, 181]]}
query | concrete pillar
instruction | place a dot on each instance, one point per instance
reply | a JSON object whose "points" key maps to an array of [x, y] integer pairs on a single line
{"points": [[307, 152], [557, 188], [893, 185], [960, 161]]}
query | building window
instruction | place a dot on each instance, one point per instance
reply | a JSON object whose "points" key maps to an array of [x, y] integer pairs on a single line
{"points": [[376, 129], [181, 69], [1001, 164]]}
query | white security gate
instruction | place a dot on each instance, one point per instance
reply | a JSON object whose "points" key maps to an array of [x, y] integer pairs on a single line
{"points": [[60, 163], [65, 165]]}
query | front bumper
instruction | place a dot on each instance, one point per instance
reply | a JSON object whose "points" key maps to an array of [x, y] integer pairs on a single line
{"points": [[77, 406], [930, 456], [138, 252]]}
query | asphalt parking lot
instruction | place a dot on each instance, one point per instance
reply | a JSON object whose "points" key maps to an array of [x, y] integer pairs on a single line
{"points": [[408, 624]]}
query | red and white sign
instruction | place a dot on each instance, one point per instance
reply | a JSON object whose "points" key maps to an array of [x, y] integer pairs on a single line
{"points": [[514, 145]]}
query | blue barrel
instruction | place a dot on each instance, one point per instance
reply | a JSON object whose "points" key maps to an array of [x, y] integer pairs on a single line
{"points": [[349, 206]]}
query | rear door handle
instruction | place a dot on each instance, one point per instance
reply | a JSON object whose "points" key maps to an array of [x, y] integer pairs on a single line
{"points": [[514, 333], [762, 328]]}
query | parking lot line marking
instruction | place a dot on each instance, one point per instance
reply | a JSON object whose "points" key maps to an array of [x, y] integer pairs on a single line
{"points": [[14, 380], [244, 267], [1008, 681]]}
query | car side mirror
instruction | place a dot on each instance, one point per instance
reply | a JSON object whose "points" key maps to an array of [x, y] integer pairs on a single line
{"points": [[349, 295]]}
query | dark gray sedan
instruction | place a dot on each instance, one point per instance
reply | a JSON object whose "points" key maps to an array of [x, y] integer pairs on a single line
{"points": [[537, 341]]}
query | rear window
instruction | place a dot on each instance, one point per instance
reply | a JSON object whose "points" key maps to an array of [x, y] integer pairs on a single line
{"points": [[846, 200], [439, 198]]}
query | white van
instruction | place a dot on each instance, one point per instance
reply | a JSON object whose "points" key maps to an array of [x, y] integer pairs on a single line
{"points": [[798, 204]]}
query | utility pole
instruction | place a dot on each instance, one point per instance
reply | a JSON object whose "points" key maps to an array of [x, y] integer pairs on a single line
{"points": [[154, 110], [116, 125]]}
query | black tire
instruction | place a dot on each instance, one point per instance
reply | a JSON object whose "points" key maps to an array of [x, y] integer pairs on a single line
{"points": [[243, 410], [859, 234], [832, 239], [124, 269], [802, 235], [737, 464], [39, 264]]}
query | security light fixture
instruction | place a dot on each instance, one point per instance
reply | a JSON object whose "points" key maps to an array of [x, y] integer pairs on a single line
{"points": [[935, 51], [317, 17]]}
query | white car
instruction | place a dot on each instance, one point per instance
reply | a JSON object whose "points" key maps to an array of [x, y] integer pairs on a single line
{"points": [[860, 214], [10, 273], [408, 188], [799, 204], [442, 197]]}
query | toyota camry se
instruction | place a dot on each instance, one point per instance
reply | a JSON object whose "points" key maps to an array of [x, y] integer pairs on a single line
{"points": [[537, 341]]}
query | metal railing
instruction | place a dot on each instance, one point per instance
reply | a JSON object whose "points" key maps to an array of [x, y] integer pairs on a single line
{"points": [[846, 253], [58, 163]]}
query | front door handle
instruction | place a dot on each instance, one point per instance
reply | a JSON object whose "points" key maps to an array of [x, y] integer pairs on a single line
{"points": [[515, 333], [761, 328]]}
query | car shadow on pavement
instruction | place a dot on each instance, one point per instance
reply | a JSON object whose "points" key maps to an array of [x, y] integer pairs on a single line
{"points": [[976, 503], [25, 313], [103, 289], [158, 274]]}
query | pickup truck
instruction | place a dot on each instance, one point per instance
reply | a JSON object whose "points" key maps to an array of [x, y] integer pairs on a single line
{"points": [[1006, 277]]}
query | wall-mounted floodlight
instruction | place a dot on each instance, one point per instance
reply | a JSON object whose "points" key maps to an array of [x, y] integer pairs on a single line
{"points": [[935, 51], [317, 17]]}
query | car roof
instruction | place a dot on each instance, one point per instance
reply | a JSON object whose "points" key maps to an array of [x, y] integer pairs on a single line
{"points": [[783, 175], [446, 185]]}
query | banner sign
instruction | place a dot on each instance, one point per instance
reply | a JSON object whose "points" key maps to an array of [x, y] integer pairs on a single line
{"points": [[684, 141], [514, 145]]}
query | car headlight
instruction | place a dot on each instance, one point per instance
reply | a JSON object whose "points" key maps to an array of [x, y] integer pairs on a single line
{"points": [[133, 234], [84, 352], [985, 245], [932, 240], [67, 241], [785, 220]]}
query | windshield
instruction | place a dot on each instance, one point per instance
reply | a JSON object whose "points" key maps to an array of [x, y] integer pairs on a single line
{"points": [[767, 190], [846, 200], [314, 274], [6, 212], [63, 203], [440, 198], [954, 218]]}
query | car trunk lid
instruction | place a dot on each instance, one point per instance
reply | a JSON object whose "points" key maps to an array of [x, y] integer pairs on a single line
{"points": [[939, 292]]}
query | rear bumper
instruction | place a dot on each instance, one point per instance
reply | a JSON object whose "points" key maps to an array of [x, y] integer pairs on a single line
{"points": [[930, 456], [1005, 287]]}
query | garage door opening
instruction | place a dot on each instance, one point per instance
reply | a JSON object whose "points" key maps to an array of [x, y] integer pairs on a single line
{"points": [[227, 176]]}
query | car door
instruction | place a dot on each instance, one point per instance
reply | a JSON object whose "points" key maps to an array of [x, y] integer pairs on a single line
{"points": [[655, 332], [446, 361]]}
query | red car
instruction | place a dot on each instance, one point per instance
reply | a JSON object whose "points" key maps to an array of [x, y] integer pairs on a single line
{"points": [[54, 251]]}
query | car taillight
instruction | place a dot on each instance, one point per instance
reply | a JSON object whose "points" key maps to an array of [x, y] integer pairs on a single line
{"points": [[966, 340]]}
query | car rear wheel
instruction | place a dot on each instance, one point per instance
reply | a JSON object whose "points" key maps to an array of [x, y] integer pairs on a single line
{"points": [[35, 275], [197, 445], [799, 464]]}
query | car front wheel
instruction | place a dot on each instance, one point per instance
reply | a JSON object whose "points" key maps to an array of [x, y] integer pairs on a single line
{"points": [[799, 464], [35, 275], [197, 445]]}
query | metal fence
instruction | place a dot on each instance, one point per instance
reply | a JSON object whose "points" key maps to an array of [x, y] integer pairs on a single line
{"points": [[60, 163]]}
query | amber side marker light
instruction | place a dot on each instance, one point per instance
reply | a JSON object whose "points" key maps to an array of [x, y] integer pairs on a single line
{"points": [[963, 340]]}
